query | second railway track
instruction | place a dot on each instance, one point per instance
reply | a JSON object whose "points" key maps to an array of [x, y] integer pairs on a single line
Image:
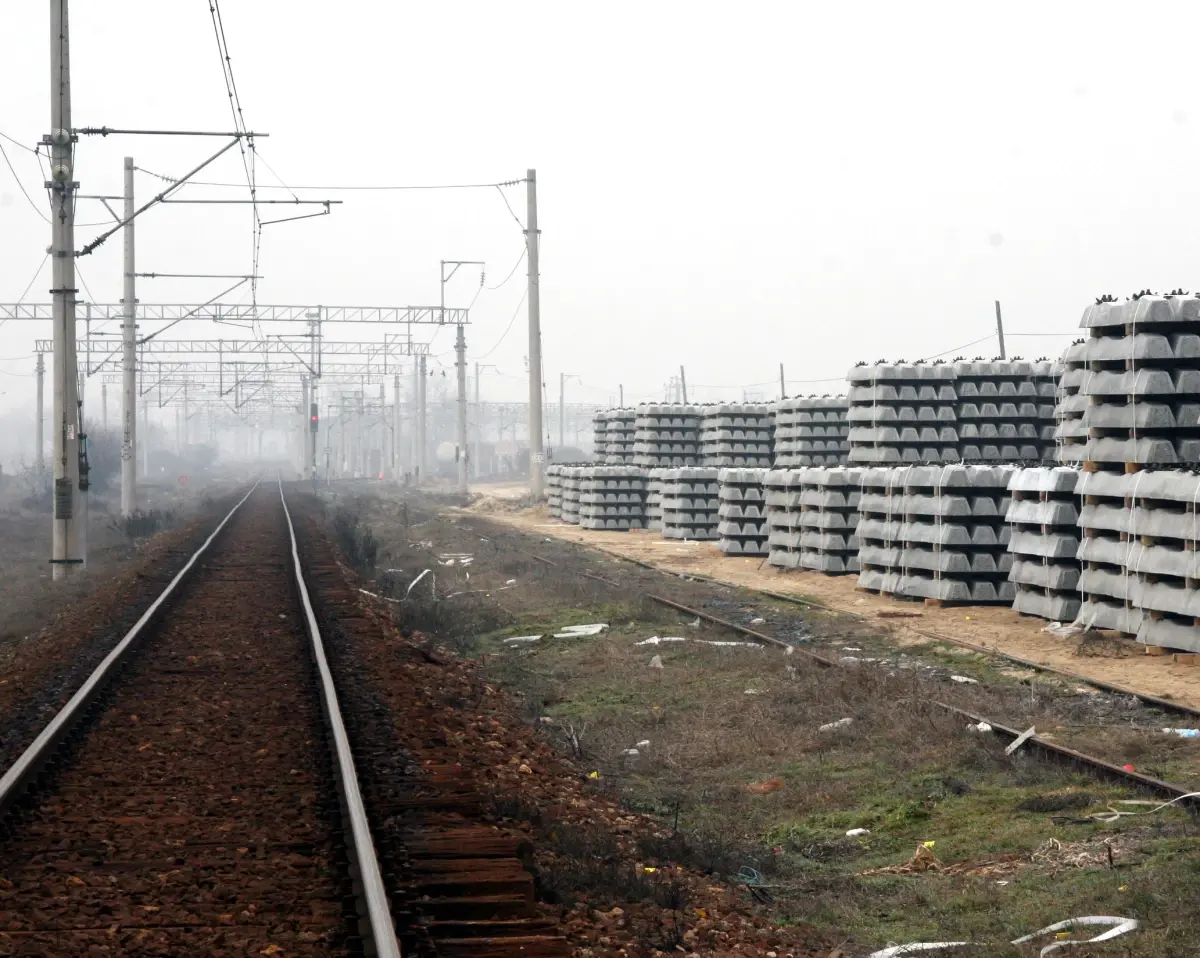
{"points": [[202, 801]]}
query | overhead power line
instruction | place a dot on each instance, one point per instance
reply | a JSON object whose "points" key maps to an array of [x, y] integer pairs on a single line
{"points": [[507, 330], [382, 187], [21, 186]]}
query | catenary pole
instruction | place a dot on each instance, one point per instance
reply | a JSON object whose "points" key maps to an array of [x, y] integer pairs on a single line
{"points": [[397, 472], [537, 452], [1000, 330], [683, 383], [423, 424], [129, 356], [39, 460], [460, 361], [65, 555]]}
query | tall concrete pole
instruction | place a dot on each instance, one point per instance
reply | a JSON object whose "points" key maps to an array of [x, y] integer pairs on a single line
{"points": [[562, 410], [478, 431], [39, 461], [396, 470], [145, 436], [104, 407], [537, 452], [460, 350], [65, 555], [414, 411], [305, 429], [384, 446], [423, 423], [1000, 330]]}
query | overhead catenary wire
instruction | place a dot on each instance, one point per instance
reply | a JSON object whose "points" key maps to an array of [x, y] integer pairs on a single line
{"points": [[21, 186], [342, 187], [507, 330]]}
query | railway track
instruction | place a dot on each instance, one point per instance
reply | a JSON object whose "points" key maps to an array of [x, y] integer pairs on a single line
{"points": [[198, 794], [1047, 749]]}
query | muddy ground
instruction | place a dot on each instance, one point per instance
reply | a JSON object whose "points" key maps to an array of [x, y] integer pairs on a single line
{"points": [[897, 825]]}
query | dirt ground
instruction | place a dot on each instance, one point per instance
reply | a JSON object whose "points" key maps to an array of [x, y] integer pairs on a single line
{"points": [[747, 753], [1120, 663]]}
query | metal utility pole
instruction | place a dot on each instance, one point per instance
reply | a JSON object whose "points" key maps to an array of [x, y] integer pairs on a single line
{"points": [[40, 455], [65, 553], [104, 407], [460, 361], [478, 417], [537, 451], [1000, 330], [621, 393], [782, 387], [422, 423], [384, 448], [683, 384]]}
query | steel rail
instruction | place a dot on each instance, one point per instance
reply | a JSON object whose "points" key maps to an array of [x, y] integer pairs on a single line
{"points": [[20, 773], [379, 915], [1049, 748]]}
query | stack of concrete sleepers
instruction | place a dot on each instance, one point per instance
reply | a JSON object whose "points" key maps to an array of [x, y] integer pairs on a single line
{"points": [[998, 412], [829, 498], [1164, 536], [736, 434], [620, 425], [1143, 383], [600, 434], [880, 523], [955, 535], [811, 431], [572, 479], [1044, 517], [902, 413], [1070, 433], [741, 512], [1046, 376], [666, 434], [554, 490], [782, 490], [654, 492], [1105, 586], [612, 497], [689, 503]]}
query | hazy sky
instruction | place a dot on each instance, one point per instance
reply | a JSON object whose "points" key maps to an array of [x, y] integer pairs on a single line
{"points": [[723, 186]]}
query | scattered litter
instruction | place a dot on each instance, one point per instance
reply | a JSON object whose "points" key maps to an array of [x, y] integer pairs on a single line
{"points": [[858, 832], [1128, 768], [374, 595], [851, 648], [928, 844], [765, 787], [1021, 740], [726, 644], [964, 680], [753, 692], [415, 581], [757, 621], [1116, 927], [840, 723], [1113, 814], [789, 651], [579, 631], [1063, 628], [508, 582], [522, 638], [695, 623], [656, 640], [593, 775], [1183, 732], [898, 615], [630, 751], [643, 743], [849, 659], [981, 727], [656, 662]]}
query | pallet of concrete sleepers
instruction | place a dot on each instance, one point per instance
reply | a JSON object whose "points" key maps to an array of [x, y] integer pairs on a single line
{"points": [[741, 512], [666, 434], [736, 434], [828, 522], [572, 480], [999, 413], [781, 490], [1047, 374], [955, 535], [618, 436], [612, 498], [1142, 383], [600, 433], [1070, 403], [1141, 575], [811, 431], [654, 492], [902, 413], [1044, 520], [880, 524], [554, 490], [689, 503]]}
